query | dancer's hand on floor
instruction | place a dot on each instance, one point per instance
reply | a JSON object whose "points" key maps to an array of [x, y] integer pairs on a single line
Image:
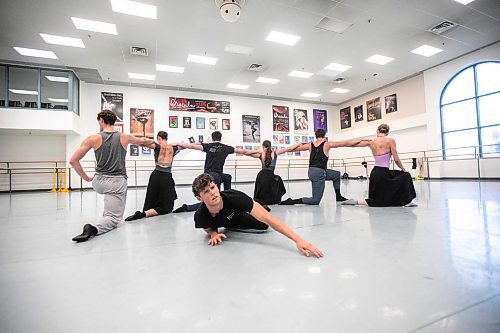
{"points": [[216, 239], [306, 249]]}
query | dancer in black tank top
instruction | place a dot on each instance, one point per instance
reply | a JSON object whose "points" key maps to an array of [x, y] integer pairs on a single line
{"points": [[318, 172]]}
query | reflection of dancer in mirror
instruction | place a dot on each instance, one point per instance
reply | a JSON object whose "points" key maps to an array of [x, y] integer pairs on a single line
{"points": [[234, 210], [160, 194], [387, 187], [110, 179]]}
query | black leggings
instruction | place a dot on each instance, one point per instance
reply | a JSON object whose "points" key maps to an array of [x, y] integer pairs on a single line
{"points": [[246, 221]]}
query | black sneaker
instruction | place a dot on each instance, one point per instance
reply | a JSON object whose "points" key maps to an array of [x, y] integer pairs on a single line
{"points": [[137, 215], [89, 231]]}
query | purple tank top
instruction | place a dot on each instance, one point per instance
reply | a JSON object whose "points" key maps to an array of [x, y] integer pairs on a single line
{"points": [[383, 160]]}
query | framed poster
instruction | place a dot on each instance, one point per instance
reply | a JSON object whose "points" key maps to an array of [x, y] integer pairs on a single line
{"points": [[391, 104], [200, 123], [146, 151], [134, 150], [118, 128], [198, 105], [186, 122], [212, 123], [358, 113], [320, 120], [226, 124], [373, 109], [173, 122], [281, 119], [113, 102], [251, 128], [300, 117], [345, 117], [142, 122]]}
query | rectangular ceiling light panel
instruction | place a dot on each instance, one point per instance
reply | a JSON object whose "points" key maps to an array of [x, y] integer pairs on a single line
{"points": [[57, 78], [58, 100], [169, 68], [282, 38], [23, 92], [302, 75], [426, 50], [464, 2], [379, 59], [337, 67], [238, 49], [64, 41], [340, 90], [35, 53], [139, 76], [96, 26], [310, 94], [202, 59], [262, 79], [237, 86], [333, 24], [134, 8]]}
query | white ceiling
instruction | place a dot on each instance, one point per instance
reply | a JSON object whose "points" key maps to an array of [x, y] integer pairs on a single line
{"points": [[388, 27]]}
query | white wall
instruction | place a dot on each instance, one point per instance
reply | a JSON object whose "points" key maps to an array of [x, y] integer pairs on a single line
{"points": [[416, 124]]}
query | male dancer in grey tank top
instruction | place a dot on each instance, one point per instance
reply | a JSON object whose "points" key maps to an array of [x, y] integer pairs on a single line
{"points": [[110, 178]]}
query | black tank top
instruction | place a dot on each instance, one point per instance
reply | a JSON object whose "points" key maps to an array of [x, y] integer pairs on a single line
{"points": [[318, 158]]}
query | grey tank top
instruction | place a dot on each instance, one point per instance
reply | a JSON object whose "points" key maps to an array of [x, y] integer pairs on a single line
{"points": [[110, 156]]}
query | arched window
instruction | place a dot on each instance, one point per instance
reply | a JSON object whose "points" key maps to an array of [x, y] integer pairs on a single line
{"points": [[470, 110]]}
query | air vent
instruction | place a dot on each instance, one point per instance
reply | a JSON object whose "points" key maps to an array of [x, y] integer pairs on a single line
{"points": [[339, 80], [442, 27], [139, 51], [255, 67]]}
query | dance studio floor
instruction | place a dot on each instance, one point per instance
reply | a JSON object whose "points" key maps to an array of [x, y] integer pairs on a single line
{"points": [[433, 268]]}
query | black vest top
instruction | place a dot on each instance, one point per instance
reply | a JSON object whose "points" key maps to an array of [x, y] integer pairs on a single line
{"points": [[318, 158]]}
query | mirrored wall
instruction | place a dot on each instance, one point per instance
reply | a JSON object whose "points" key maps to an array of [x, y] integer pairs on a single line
{"points": [[38, 88]]}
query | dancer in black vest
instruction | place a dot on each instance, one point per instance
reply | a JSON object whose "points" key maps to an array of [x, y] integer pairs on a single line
{"points": [[318, 172]]}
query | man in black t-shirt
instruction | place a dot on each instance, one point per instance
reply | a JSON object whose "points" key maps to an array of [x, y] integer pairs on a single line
{"points": [[217, 153], [233, 209]]}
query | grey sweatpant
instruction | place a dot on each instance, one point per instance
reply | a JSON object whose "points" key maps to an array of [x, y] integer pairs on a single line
{"points": [[318, 176], [114, 189]]}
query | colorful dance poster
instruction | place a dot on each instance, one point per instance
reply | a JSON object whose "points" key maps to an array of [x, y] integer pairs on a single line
{"points": [[281, 119], [345, 117], [142, 122], [200, 123], [320, 120], [173, 122], [300, 117], [251, 128], [113, 102], [198, 105], [391, 104], [373, 109]]}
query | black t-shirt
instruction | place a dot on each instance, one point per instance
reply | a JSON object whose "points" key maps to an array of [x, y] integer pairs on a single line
{"points": [[235, 202], [216, 156]]}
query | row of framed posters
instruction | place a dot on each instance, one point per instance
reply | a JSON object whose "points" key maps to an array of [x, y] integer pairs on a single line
{"points": [[373, 111], [281, 120]]}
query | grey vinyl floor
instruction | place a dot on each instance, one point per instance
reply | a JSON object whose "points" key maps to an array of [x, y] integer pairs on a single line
{"points": [[433, 268]]}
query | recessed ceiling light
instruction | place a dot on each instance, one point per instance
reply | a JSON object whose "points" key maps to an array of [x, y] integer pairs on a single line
{"points": [[310, 94], [379, 59], [340, 90], [61, 40], [134, 8], [169, 68], [23, 92], [202, 59], [58, 100], [139, 76], [237, 86], [35, 53], [282, 38], [337, 67], [238, 49], [426, 50], [267, 80], [57, 78], [96, 26], [303, 75], [464, 2]]}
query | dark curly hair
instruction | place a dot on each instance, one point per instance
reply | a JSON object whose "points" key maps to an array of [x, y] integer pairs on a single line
{"points": [[109, 117], [201, 182]]}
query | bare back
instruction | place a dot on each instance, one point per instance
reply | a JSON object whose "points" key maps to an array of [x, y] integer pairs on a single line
{"points": [[381, 146], [166, 155]]}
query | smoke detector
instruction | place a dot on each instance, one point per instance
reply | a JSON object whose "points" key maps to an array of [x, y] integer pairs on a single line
{"points": [[255, 67], [339, 80], [230, 10]]}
